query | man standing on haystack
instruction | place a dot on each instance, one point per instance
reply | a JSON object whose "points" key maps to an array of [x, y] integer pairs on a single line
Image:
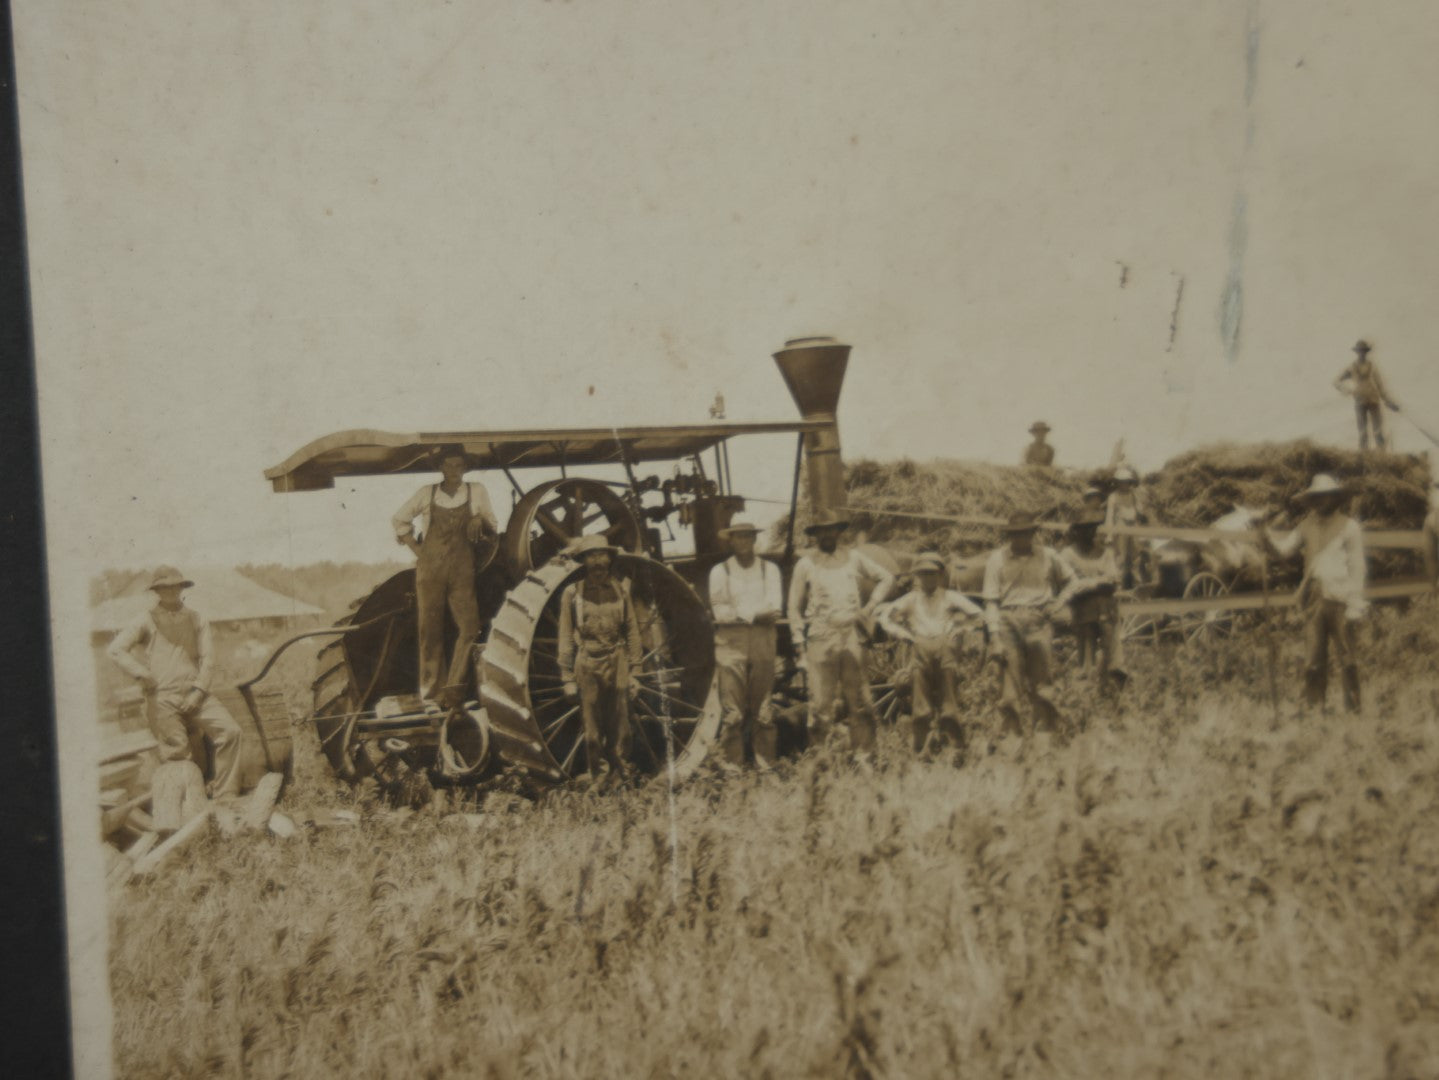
{"points": [[1332, 591], [746, 599], [168, 650], [1361, 380], [599, 654], [1026, 587], [1039, 452], [826, 616], [453, 517], [930, 619]]}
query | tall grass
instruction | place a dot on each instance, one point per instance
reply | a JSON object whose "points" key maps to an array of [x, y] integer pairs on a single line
{"points": [[1192, 883]]}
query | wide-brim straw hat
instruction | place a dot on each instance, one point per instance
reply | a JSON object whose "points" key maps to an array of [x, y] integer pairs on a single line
{"points": [[738, 528], [588, 545], [1361, 347], [1321, 486], [168, 575], [1039, 426], [1019, 523], [449, 450], [928, 561], [827, 519]]}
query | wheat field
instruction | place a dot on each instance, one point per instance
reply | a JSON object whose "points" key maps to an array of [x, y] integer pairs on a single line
{"points": [[1196, 882]]}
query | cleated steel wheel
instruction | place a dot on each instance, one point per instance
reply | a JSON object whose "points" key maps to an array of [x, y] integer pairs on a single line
{"points": [[532, 724]]}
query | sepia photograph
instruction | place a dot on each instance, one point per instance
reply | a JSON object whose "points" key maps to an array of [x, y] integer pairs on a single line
{"points": [[600, 539]]}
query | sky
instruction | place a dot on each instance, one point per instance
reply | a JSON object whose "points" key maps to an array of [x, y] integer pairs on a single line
{"points": [[254, 224]]}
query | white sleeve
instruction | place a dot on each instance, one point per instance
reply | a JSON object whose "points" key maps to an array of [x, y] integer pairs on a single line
{"points": [[404, 519], [721, 603]]}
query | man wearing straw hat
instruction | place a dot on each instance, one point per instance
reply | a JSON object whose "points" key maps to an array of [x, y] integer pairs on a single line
{"points": [[452, 516], [826, 616], [599, 655], [168, 650], [746, 599], [1361, 380], [1039, 452], [1332, 590], [1026, 586], [930, 618]]}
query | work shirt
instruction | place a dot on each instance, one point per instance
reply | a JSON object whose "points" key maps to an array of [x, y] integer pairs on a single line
{"points": [[824, 592], [738, 594], [1038, 453], [172, 647], [1368, 385], [918, 615], [1125, 508], [1024, 581], [418, 506], [1333, 557], [1092, 566]]}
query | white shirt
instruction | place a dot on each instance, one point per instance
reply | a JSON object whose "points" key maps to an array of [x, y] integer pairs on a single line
{"points": [[418, 506], [738, 594], [936, 615], [824, 593], [1333, 557]]}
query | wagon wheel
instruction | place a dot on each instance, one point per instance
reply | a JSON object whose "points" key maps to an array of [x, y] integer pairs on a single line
{"points": [[1140, 629], [673, 718], [889, 685], [1203, 626], [552, 516]]}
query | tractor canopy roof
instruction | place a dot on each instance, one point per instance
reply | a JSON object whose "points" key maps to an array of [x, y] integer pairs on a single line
{"points": [[364, 452]]}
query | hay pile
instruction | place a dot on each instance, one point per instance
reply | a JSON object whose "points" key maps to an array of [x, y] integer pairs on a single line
{"points": [[1198, 487], [1193, 489]]}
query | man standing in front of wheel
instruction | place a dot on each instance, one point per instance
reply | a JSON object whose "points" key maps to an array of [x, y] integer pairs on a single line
{"points": [[600, 656], [827, 615], [930, 619], [1026, 586], [452, 517], [746, 600], [1332, 591], [168, 650]]}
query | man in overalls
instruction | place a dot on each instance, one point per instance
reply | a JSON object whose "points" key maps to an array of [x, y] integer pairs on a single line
{"points": [[453, 516], [168, 649], [827, 615], [599, 647]]}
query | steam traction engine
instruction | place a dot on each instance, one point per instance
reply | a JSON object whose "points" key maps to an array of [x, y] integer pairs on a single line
{"points": [[365, 711]]}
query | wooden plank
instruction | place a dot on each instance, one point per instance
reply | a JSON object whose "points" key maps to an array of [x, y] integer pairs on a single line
{"points": [[187, 832], [1389, 590], [123, 870], [115, 816], [1376, 539], [121, 747]]}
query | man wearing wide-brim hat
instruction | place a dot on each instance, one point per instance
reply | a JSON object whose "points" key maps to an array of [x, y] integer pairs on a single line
{"points": [[450, 518], [1026, 586], [827, 615], [1361, 381], [600, 656], [1039, 452], [1332, 591], [1126, 507], [746, 599], [930, 619], [168, 649]]}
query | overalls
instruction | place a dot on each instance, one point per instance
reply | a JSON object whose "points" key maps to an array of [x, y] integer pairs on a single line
{"points": [[602, 673], [445, 576]]}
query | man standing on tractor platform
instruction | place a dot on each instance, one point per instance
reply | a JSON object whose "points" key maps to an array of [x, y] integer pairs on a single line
{"points": [[599, 654], [1039, 452], [1026, 586], [453, 516], [826, 617], [746, 599], [168, 649], [930, 618], [1332, 590], [1361, 380], [1094, 609]]}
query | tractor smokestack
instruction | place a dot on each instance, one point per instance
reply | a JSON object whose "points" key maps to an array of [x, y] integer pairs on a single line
{"points": [[813, 369]]}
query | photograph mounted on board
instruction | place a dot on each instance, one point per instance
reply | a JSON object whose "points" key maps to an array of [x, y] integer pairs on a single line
{"points": [[774, 540]]}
